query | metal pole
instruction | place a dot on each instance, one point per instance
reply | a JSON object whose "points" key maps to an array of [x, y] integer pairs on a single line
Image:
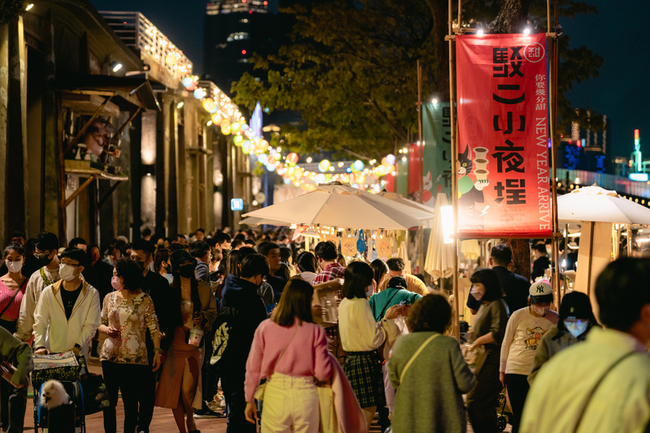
{"points": [[420, 237], [454, 161]]}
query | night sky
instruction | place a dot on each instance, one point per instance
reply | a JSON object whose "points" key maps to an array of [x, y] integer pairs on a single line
{"points": [[618, 33]]}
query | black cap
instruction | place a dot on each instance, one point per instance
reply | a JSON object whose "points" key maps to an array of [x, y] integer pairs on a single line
{"points": [[397, 283], [178, 257]]}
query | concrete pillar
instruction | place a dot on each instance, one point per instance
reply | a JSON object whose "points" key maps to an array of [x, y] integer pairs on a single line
{"points": [[161, 142], [4, 89]]}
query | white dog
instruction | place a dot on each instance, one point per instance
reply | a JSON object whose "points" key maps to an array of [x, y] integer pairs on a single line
{"points": [[54, 394]]}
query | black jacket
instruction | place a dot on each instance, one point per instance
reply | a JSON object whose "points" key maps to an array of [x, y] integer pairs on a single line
{"points": [[242, 296], [156, 286]]}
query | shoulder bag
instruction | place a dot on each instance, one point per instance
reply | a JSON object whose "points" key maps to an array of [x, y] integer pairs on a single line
{"points": [[259, 393], [415, 355]]}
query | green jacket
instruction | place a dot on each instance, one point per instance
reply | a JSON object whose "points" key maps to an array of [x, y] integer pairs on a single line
{"points": [[18, 354], [382, 301]]}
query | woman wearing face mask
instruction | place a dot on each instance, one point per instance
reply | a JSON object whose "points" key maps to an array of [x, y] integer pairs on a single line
{"points": [[487, 333], [361, 337], [180, 381], [525, 330], [576, 320], [126, 315], [161, 263], [12, 290]]}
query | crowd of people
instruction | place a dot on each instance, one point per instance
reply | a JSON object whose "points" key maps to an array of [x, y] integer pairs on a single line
{"points": [[174, 320]]}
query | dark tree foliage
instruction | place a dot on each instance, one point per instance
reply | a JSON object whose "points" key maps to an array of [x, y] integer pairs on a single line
{"points": [[351, 68], [10, 9]]}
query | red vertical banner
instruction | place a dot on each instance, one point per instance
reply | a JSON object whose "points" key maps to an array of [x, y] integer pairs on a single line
{"points": [[503, 136], [414, 172]]}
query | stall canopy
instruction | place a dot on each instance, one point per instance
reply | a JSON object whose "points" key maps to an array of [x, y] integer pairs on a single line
{"points": [[339, 205], [125, 92], [596, 204]]}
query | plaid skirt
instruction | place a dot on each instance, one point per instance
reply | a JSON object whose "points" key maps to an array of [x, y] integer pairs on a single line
{"points": [[363, 370]]}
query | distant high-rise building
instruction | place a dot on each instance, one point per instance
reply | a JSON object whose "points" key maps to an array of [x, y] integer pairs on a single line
{"points": [[234, 30]]}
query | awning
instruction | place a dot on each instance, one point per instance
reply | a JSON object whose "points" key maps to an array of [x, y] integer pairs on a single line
{"points": [[126, 91]]}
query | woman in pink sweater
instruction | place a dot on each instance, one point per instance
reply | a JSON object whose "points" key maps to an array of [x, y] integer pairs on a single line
{"points": [[289, 350]]}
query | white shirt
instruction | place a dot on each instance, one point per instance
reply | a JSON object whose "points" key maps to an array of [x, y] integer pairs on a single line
{"points": [[523, 334], [35, 286], [357, 327], [308, 276], [621, 403]]}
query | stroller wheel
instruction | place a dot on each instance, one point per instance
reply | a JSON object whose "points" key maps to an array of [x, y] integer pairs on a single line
{"points": [[502, 423]]}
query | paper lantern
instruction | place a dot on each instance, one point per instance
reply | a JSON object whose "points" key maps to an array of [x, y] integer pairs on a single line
{"points": [[263, 145], [263, 158], [320, 178], [270, 167], [271, 160], [380, 171], [244, 127], [384, 161], [217, 119], [358, 165], [208, 104], [235, 127], [199, 93], [225, 129], [170, 60], [390, 168], [390, 159], [292, 158], [324, 165], [287, 181], [237, 139], [187, 81]]}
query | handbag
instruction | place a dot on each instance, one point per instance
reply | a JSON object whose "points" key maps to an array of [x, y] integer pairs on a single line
{"points": [[415, 355], [261, 388], [326, 406]]}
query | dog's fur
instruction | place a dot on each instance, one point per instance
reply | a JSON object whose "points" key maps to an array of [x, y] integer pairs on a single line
{"points": [[54, 394]]}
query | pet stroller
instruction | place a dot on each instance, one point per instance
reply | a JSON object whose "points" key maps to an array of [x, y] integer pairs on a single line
{"points": [[67, 418], [504, 413]]}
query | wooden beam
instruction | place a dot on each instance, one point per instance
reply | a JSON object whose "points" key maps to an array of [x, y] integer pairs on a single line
{"points": [[86, 125], [108, 194], [78, 190], [130, 119]]}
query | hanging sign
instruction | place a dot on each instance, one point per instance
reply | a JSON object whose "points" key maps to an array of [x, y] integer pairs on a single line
{"points": [[503, 168], [436, 132]]}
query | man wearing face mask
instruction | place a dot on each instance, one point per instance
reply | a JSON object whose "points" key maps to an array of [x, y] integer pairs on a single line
{"points": [[524, 332], [46, 247], [68, 313], [158, 288], [576, 320], [240, 294]]}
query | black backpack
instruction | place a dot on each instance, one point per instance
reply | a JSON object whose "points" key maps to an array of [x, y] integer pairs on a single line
{"points": [[224, 326]]}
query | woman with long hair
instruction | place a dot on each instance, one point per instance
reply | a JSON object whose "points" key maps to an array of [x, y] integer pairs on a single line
{"points": [[306, 266], [429, 399], [380, 268], [576, 320], [180, 381], [289, 350], [127, 313], [361, 337], [489, 329]]}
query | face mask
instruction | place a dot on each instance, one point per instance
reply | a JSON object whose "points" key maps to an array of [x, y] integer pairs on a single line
{"points": [[370, 290], [117, 284], [475, 293], [576, 328], [540, 311], [66, 272], [186, 271], [15, 266], [141, 265], [45, 261]]}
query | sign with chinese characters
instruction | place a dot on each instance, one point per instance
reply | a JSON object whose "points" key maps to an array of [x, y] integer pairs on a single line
{"points": [[503, 136], [436, 132], [237, 204]]}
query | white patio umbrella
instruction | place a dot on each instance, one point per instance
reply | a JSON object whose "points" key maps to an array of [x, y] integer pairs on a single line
{"points": [[596, 204], [420, 211], [439, 261], [338, 205]]}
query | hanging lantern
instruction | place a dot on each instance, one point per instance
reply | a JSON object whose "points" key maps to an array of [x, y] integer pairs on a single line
{"points": [[225, 128], [270, 167], [199, 93], [271, 160], [384, 161], [324, 165], [390, 159], [217, 119], [209, 105], [244, 127], [358, 165], [263, 158], [263, 145], [380, 171], [235, 127], [237, 139], [292, 158], [187, 82], [170, 60]]}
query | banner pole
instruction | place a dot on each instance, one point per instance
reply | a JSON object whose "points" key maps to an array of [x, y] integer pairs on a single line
{"points": [[550, 40], [454, 163], [420, 233]]}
